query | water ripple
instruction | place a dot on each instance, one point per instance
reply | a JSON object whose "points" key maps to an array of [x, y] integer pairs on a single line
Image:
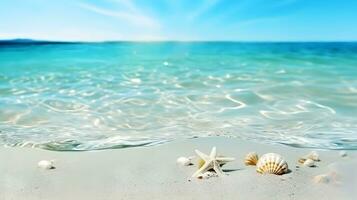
{"points": [[98, 98]]}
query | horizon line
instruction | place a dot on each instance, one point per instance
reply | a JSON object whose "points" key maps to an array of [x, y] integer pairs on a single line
{"points": [[24, 40]]}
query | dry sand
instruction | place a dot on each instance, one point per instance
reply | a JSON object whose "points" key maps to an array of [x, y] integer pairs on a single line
{"points": [[152, 173]]}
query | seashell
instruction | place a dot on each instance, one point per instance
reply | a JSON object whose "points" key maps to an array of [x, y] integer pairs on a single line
{"points": [[309, 163], [302, 160], [251, 159], [322, 178], [46, 164], [272, 163], [184, 161], [343, 153], [313, 155]]}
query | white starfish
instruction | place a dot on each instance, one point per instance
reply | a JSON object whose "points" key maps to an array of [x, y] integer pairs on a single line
{"points": [[211, 162]]}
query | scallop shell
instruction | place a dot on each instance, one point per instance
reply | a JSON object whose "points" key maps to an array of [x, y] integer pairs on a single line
{"points": [[272, 163], [251, 159]]}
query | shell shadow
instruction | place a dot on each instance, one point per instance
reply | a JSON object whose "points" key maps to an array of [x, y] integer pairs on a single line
{"points": [[231, 170]]}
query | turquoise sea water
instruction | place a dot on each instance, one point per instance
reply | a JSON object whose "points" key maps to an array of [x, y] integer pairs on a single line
{"points": [[85, 96]]}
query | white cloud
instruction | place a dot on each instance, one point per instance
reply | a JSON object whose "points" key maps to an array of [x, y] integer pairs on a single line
{"points": [[132, 17]]}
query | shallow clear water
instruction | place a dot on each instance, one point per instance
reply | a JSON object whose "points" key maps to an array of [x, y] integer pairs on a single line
{"points": [[114, 95]]}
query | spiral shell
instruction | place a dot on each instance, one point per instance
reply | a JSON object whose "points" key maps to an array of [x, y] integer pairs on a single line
{"points": [[272, 163], [251, 159]]}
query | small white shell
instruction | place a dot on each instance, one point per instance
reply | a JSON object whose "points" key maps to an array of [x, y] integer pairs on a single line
{"points": [[313, 155], [309, 163], [46, 164], [251, 159], [343, 153], [183, 161], [272, 163]]}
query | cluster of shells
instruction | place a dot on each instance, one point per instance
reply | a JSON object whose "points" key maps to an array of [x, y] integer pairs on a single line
{"points": [[310, 159], [270, 163]]}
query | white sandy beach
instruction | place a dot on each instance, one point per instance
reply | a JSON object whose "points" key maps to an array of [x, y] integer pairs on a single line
{"points": [[152, 173]]}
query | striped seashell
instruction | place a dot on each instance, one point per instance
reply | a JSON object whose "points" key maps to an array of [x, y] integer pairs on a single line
{"points": [[272, 163], [251, 159]]}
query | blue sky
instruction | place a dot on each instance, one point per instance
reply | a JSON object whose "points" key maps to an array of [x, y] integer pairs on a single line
{"points": [[241, 20]]}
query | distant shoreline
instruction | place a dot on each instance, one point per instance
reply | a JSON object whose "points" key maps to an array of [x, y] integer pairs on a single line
{"points": [[34, 41]]}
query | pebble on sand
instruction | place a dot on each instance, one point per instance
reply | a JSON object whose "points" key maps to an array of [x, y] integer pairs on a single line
{"points": [[184, 161], [46, 164]]}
